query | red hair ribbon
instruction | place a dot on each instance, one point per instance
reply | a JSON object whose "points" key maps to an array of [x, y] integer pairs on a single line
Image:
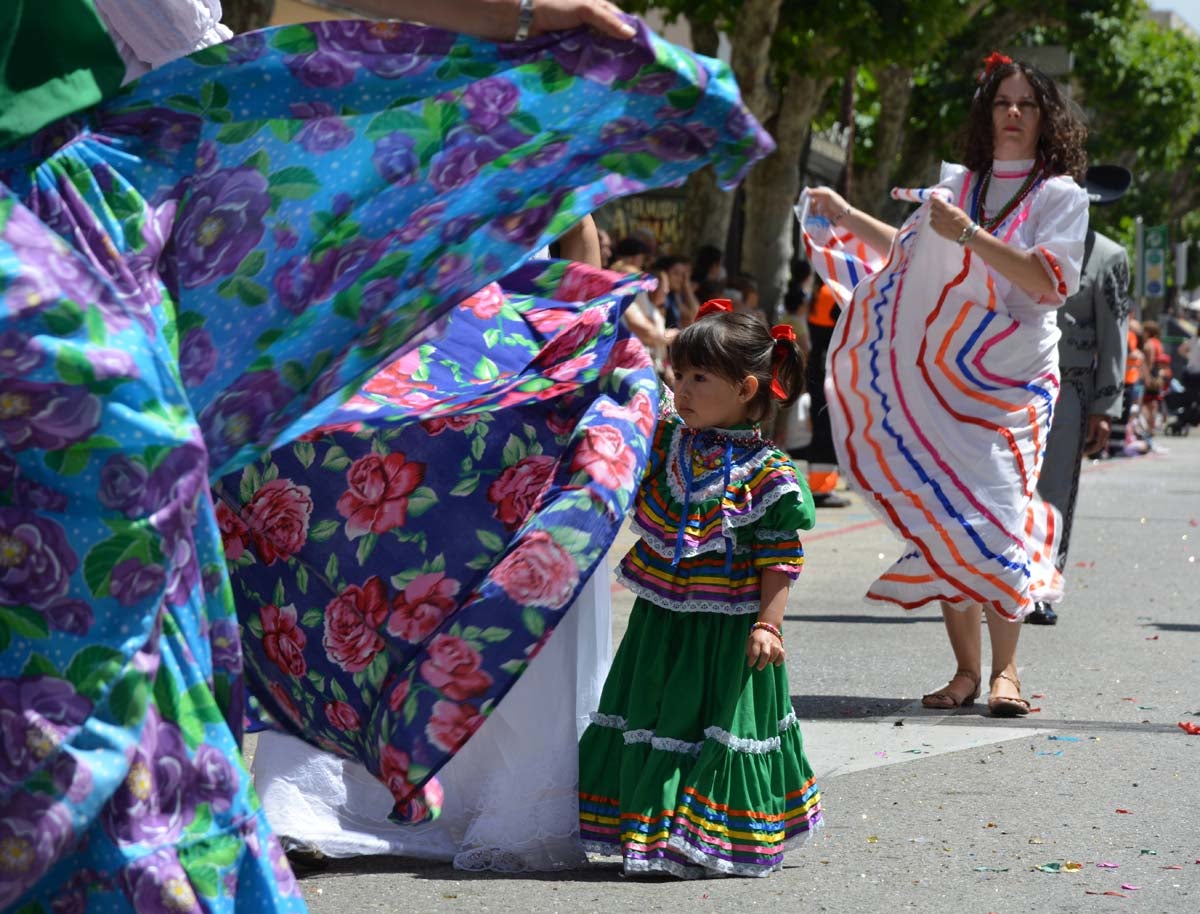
{"points": [[715, 306], [783, 334], [993, 60]]}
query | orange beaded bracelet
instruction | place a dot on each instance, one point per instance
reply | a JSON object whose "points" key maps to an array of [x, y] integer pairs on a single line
{"points": [[767, 627]]}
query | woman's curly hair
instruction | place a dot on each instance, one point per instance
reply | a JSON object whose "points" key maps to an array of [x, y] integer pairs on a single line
{"points": [[1062, 132]]}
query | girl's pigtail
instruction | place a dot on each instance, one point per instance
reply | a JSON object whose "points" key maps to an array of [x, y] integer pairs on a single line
{"points": [[787, 366]]}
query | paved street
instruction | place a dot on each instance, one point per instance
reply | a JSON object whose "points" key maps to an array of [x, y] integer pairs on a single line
{"points": [[953, 813]]}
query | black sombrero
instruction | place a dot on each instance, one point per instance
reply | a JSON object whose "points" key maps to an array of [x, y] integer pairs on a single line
{"points": [[1107, 183]]}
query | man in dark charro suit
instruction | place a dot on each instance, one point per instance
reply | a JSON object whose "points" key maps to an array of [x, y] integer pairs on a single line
{"points": [[1091, 359]]}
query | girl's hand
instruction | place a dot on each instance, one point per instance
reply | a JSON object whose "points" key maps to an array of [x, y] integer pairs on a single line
{"points": [[947, 219], [762, 648]]}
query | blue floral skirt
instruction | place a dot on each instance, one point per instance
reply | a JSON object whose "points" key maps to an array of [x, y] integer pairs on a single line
{"points": [[197, 278]]}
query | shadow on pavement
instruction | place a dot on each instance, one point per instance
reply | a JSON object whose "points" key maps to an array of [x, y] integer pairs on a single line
{"points": [[862, 617], [1173, 627], [353, 867]]}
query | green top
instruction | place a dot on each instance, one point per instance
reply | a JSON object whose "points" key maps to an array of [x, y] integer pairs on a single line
{"points": [[56, 58]]}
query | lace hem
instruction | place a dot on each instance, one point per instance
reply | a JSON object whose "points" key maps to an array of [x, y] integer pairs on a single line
{"points": [[721, 607], [663, 743], [614, 721], [685, 747], [714, 866], [701, 864], [737, 744]]}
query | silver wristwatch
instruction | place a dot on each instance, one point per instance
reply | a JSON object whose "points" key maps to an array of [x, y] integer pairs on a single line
{"points": [[524, 20]]}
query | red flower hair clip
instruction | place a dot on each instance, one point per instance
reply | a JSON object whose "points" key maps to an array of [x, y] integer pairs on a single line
{"points": [[714, 306], [993, 60], [785, 338]]}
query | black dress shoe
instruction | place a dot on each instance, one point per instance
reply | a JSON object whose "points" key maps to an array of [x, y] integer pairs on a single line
{"points": [[832, 500], [1042, 615]]}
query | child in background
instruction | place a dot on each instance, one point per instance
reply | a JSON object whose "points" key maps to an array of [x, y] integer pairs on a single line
{"points": [[694, 763]]}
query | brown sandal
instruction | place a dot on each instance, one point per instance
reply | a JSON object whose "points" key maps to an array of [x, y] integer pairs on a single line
{"points": [[945, 700], [1007, 707]]}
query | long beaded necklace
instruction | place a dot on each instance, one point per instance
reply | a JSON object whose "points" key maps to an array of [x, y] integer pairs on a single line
{"points": [[977, 212]]}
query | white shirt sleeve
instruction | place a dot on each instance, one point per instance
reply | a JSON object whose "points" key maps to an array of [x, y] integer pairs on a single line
{"points": [[1061, 216], [150, 33]]}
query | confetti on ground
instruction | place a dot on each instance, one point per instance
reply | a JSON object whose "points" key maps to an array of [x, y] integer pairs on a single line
{"points": [[872, 839], [1049, 867], [1130, 888], [1145, 707], [1059, 752], [1152, 638], [1064, 739], [1124, 812], [1189, 728], [991, 869], [1070, 867], [1107, 866], [1146, 852], [1037, 695], [1113, 894], [1174, 866]]}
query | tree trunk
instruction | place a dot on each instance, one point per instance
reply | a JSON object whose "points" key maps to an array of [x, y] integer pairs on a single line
{"points": [[707, 209], [771, 191], [872, 185], [246, 15], [751, 57]]}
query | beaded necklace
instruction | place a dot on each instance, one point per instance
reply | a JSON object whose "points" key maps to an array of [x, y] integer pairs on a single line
{"points": [[977, 212]]}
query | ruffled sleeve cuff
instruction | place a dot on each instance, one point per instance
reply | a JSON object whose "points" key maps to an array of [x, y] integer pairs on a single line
{"points": [[1058, 244]]}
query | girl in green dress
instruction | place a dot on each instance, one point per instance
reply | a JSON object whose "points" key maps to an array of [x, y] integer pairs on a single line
{"points": [[694, 763]]}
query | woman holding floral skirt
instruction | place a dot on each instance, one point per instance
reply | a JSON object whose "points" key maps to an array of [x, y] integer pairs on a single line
{"points": [[195, 270]]}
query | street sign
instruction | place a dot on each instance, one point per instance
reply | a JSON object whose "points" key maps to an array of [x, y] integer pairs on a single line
{"points": [[1154, 260]]}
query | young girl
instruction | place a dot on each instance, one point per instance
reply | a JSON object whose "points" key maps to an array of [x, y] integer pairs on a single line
{"points": [[694, 763]]}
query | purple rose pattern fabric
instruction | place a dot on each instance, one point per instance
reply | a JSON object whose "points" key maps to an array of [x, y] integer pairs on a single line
{"points": [[195, 274], [396, 569]]}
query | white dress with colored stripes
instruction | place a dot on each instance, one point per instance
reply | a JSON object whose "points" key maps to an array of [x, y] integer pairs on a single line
{"points": [[942, 379]]}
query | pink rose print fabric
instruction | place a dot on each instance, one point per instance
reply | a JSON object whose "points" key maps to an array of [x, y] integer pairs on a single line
{"points": [[448, 534]]}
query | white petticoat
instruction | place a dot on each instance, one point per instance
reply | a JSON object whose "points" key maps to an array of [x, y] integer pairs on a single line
{"points": [[511, 802]]}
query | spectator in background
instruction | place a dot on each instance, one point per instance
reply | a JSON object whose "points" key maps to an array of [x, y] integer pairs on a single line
{"points": [[821, 453], [1158, 377], [1189, 350], [606, 248], [793, 427], [708, 266], [742, 290], [679, 302], [631, 255]]}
